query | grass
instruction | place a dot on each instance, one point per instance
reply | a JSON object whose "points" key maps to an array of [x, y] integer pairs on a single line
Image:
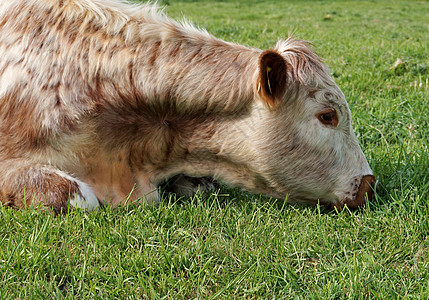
{"points": [[235, 245]]}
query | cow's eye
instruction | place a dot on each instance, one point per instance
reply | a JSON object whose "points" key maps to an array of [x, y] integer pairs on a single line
{"points": [[328, 117]]}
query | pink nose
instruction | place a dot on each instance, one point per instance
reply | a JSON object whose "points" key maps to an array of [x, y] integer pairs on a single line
{"points": [[365, 193]]}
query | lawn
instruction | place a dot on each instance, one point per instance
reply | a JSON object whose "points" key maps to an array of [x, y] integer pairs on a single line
{"points": [[236, 245]]}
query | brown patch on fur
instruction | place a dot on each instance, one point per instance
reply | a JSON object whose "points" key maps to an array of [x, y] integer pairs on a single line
{"points": [[155, 52], [175, 49], [112, 177], [35, 185], [19, 125], [4, 68], [312, 93]]}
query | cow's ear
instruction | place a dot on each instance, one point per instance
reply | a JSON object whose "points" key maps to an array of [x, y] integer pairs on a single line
{"points": [[272, 78]]}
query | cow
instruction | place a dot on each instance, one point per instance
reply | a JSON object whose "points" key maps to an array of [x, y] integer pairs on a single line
{"points": [[101, 101]]}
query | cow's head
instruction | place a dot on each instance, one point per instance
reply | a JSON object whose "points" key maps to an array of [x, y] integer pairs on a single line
{"points": [[304, 134]]}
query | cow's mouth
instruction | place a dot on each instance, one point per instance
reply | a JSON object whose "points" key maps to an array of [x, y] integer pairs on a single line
{"points": [[360, 195]]}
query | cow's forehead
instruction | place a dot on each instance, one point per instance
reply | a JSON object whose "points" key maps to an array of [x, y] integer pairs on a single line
{"points": [[329, 93]]}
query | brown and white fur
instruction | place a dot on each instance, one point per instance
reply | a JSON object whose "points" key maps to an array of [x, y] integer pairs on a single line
{"points": [[101, 100]]}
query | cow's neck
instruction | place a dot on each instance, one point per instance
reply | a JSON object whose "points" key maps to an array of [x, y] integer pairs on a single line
{"points": [[193, 77]]}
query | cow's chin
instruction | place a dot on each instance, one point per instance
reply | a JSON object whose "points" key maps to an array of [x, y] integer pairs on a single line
{"points": [[361, 191]]}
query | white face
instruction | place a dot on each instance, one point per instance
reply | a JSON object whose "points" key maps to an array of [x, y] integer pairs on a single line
{"points": [[313, 153]]}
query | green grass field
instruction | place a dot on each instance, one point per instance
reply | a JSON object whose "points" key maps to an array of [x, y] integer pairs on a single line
{"points": [[236, 245]]}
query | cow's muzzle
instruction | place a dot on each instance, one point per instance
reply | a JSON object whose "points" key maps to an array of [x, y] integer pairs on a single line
{"points": [[364, 193]]}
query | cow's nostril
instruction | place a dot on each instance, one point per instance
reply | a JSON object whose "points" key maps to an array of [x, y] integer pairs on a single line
{"points": [[373, 184]]}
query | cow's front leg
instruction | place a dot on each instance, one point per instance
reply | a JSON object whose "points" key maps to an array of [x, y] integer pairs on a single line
{"points": [[23, 183]]}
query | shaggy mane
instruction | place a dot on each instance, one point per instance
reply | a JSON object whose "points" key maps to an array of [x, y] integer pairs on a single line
{"points": [[135, 22], [305, 64]]}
